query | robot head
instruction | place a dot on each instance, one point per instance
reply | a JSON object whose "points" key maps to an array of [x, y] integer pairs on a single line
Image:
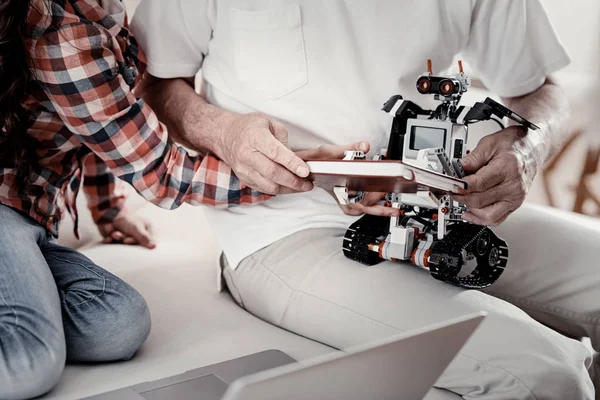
{"points": [[439, 85], [446, 89]]}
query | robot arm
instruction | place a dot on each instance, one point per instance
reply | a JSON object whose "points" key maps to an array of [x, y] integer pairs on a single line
{"points": [[485, 111]]}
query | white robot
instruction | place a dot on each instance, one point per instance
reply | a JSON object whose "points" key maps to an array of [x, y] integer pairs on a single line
{"points": [[430, 232]]}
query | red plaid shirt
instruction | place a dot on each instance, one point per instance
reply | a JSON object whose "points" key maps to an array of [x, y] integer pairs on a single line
{"points": [[88, 126]]}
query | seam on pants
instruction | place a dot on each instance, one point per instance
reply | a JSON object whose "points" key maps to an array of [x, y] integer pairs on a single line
{"points": [[229, 283], [90, 270], [583, 319], [294, 291]]}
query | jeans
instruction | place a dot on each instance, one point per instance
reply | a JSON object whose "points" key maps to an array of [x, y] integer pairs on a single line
{"points": [[55, 306]]}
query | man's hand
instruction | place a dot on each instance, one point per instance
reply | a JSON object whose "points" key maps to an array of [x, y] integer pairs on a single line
{"points": [[128, 228], [505, 164], [256, 148], [368, 205], [255, 145]]}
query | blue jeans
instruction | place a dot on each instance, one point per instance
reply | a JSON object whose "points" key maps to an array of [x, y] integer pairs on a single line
{"points": [[55, 306]]}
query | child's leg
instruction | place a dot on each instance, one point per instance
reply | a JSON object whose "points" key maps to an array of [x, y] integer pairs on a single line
{"points": [[104, 318], [32, 342]]}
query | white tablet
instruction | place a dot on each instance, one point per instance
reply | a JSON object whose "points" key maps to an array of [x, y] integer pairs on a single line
{"points": [[380, 176]]}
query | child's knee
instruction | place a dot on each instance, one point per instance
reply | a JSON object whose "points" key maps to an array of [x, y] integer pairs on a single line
{"points": [[116, 336]]}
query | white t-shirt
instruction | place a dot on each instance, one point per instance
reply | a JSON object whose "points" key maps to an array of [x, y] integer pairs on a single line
{"points": [[325, 68], [115, 8]]}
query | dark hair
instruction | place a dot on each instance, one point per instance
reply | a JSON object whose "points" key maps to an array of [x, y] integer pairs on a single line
{"points": [[17, 148]]}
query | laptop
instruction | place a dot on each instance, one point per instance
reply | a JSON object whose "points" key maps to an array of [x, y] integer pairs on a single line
{"points": [[404, 366]]}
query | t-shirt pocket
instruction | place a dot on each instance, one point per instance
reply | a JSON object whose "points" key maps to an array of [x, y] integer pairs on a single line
{"points": [[268, 46]]}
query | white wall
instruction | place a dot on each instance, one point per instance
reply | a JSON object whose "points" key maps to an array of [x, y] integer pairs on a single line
{"points": [[578, 25]]}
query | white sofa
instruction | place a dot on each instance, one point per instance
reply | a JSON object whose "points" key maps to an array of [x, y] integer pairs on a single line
{"points": [[192, 324]]}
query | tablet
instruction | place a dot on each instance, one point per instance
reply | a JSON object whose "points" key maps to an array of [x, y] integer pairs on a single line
{"points": [[380, 176]]}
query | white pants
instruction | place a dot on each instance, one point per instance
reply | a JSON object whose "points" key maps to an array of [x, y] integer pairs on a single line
{"points": [[304, 284]]}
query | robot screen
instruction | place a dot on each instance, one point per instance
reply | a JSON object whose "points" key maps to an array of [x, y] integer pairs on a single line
{"points": [[425, 137]]}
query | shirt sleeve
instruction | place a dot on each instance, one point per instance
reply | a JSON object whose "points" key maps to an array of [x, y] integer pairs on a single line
{"points": [[174, 35], [106, 195], [79, 73], [513, 46]]}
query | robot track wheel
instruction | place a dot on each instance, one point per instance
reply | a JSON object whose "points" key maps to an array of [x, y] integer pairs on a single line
{"points": [[368, 230]]}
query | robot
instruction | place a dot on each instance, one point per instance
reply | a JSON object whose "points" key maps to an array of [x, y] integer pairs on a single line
{"points": [[430, 232]]}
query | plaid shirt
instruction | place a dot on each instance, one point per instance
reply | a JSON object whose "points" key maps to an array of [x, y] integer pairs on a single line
{"points": [[88, 126]]}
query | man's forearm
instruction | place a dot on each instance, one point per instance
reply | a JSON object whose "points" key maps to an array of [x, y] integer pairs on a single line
{"points": [[548, 108], [254, 145], [183, 111]]}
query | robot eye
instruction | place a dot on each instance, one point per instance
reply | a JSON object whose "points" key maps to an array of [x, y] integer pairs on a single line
{"points": [[423, 85], [446, 87]]}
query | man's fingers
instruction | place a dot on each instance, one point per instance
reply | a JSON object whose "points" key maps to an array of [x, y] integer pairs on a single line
{"points": [[268, 187], [280, 154], [479, 221], [486, 178], [246, 180], [472, 218], [490, 215], [480, 156], [278, 175], [264, 185], [286, 190], [332, 152], [484, 199], [502, 219]]}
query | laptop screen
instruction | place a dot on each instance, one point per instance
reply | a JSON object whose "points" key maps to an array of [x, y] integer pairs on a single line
{"points": [[208, 387]]}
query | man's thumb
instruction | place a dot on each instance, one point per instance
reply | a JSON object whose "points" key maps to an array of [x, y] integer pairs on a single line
{"points": [[279, 132]]}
